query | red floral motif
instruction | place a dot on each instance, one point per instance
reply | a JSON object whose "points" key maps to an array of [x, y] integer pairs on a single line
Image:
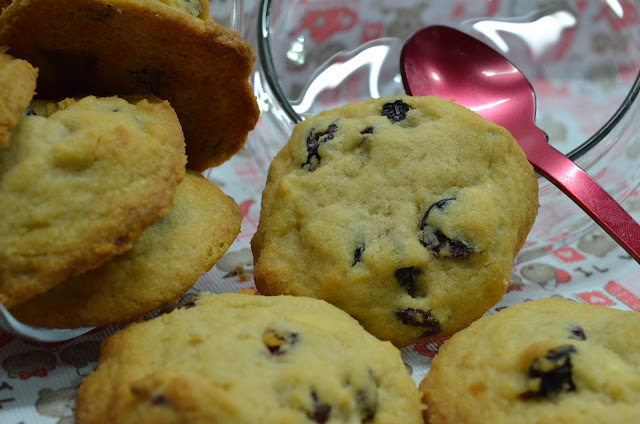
{"points": [[244, 207], [491, 9], [323, 24], [618, 19], [595, 298], [514, 287], [371, 31], [564, 43], [429, 348], [249, 223], [568, 254], [562, 276], [623, 295], [41, 372]]}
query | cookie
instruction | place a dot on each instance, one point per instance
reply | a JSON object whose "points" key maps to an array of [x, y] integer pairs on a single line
{"points": [[197, 8], [235, 358], [130, 47], [164, 262], [406, 212], [548, 360], [17, 87], [80, 186]]}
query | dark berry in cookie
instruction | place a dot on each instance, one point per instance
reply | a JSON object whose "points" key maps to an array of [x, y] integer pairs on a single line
{"points": [[554, 372], [367, 402], [578, 333], [321, 411], [396, 111], [313, 143], [279, 342], [439, 244], [407, 279], [357, 253], [158, 400], [419, 318], [367, 407]]}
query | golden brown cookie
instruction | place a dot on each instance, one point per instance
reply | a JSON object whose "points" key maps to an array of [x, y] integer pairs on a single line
{"points": [[80, 186], [127, 47], [198, 8], [406, 212], [543, 361], [163, 263], [17, 87], [235, 358]]}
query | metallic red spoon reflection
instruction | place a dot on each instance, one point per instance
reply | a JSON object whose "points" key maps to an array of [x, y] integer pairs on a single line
{"points": [[444, 62]]}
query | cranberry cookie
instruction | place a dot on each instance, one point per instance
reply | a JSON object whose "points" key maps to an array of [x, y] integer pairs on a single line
{"points": [[405, 212], [17, 87], [80, 185], [543, 361], [198, 8], [164, 262], [235, 358]]}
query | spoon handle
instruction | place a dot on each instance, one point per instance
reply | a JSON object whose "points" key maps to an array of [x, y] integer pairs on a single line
{"points": [[586, 193]]}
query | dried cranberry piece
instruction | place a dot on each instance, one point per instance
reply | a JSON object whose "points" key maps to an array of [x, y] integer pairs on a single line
{"points": [[554, 370], [357, 254], [435, 240], [444, 247], [368, 130], [313, 143], [122, 240], [407, 279], [367, 406], [279, 342], [578, 333], [419, 318], [321, 411], [396, 111], [158, 400]]}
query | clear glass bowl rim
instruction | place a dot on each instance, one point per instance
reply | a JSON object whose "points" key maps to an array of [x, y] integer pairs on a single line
{"points": [[266, 59]]}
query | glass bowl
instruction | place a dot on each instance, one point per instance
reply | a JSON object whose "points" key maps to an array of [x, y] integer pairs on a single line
{"points": [[582, 58]]}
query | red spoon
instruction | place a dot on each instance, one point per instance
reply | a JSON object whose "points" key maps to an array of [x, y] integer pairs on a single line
{"points": [[444, 62]]}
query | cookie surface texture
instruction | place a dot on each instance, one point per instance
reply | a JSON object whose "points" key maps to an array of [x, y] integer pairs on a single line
{"points": [[132, 47], [17, 87], [405, 212], [80, 186], [235, 358], [198, 8], [549, 360], [164, 262]]}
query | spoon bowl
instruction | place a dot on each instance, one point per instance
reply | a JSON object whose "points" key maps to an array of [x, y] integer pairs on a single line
{"points": [[444, 62]]}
